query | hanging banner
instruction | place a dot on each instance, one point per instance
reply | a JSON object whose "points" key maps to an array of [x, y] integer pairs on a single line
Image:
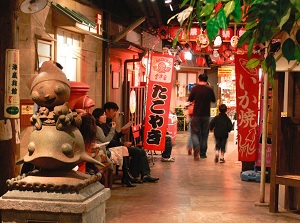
{"points": [[12, 77], [158, 101], [247, 86]]}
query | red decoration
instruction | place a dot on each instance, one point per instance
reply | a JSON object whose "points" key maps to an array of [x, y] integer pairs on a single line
{"points": [[196, 48], [222, 48], [194, 32], [247, 85], [208, 49], [240, 32], [158, 101], [163, 32], [226, 35], [218, 7], [182, 58], [200, 61]]}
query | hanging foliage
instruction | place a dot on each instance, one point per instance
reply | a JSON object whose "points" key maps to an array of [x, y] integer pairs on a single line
{"points": [[265, 20]]}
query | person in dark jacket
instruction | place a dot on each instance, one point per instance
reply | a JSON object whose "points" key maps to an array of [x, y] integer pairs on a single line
{"points": [[139, 165], [221, 125]]}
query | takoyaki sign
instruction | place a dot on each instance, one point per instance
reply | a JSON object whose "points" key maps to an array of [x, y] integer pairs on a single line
{"points": [[12, 77], [158, 101]]}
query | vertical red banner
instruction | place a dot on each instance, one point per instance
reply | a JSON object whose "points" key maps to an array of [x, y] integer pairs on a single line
{"points": [[158, 101], [247, 87]]}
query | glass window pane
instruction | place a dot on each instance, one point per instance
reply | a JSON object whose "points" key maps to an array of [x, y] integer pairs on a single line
{"points": [[44, 49]]}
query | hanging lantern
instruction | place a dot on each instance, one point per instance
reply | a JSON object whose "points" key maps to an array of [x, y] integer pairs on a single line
{"points": [[227, 34], [163, 32], [194, 32], [200, 61]]}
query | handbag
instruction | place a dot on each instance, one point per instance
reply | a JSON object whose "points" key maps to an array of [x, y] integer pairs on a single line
{"points": [[191, 109]]}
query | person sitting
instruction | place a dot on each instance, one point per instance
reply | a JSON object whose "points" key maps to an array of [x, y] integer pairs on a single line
{"points": [[118, 155], [139, 165]]}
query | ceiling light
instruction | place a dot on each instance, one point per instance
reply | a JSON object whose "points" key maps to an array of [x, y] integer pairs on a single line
{"points": [[171, 7], [168, 1]]}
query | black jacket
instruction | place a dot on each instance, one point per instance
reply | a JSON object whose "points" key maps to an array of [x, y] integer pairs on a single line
{"points": [[221, 124]]}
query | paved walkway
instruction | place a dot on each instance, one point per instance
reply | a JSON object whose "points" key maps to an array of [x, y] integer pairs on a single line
{"points": [[193, 191]]}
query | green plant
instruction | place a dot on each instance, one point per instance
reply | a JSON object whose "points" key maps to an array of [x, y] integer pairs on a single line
{"points": [[264, 20]]}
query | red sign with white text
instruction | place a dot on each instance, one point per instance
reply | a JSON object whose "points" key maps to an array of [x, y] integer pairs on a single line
{"points": [[158, 101], [247, 87]]}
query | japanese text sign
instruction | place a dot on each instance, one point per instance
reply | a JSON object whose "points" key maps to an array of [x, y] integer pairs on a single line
{"points": [[247, 87], [12, 77], [158, 101]]}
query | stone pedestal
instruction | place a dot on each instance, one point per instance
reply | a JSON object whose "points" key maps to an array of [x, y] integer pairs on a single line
{"points": [[86, 206]]}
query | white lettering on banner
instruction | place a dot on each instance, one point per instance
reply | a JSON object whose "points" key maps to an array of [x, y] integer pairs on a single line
{"points": [[247, 145], [247, 119]]}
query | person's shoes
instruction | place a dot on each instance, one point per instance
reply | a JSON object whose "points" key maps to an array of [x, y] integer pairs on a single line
{"points": [[203, 157], [216, 158], [148, 178], [189, 151], [171, 159], [222, 160], [196, 154], [127, 183]]}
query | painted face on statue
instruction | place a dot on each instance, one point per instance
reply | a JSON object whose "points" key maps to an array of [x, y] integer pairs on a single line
{"points": [[50, 93]]}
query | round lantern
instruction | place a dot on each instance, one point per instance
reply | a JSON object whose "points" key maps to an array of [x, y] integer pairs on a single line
{"points": [[200, 61], [227, 34]]}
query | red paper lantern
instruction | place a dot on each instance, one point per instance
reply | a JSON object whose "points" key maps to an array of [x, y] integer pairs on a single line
{"points": [[200, 61], [230, 60], [227, 34]]}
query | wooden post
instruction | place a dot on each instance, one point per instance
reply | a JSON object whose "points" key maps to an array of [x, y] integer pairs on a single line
{"points": [[7, 41]]}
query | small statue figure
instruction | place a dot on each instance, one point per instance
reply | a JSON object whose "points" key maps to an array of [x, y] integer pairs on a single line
{"points": [[55, 143]]}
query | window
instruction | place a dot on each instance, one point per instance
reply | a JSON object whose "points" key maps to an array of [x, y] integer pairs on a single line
{"points": [[69, 53], [45, 51]]}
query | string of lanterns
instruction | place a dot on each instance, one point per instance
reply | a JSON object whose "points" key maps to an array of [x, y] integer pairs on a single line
{"points": [[222, 50]]}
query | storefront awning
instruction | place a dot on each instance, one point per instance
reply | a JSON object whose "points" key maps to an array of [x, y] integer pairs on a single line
{"points": [[72, 20]]}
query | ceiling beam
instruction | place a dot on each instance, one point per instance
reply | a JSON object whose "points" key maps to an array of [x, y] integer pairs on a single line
{"points": [[127, 30]]}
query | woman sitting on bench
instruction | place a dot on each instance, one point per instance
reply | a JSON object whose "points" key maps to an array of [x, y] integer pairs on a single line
{"points": [[118, 155]]}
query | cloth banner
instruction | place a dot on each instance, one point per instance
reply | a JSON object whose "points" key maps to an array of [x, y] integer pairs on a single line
{"points": [[158, 101], [247, 87]]}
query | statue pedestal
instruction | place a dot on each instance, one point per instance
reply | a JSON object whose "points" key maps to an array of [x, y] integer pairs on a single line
{"points": [[86, 206]]}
